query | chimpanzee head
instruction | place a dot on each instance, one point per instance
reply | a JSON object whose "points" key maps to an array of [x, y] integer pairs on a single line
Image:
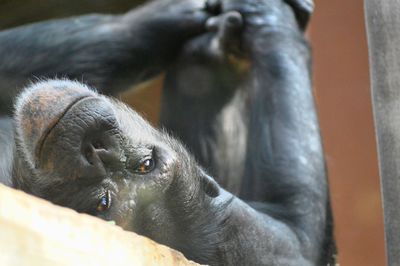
{"points": [[91, 153]]}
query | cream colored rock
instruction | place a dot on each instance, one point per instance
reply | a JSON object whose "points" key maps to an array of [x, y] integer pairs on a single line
{"points": [[36, 232]]}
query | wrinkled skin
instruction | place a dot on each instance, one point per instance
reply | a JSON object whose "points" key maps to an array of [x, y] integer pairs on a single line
{"points": [[238, 96]]}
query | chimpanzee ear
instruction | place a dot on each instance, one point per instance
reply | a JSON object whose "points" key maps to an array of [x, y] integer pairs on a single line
{"points": [[302, 10]]}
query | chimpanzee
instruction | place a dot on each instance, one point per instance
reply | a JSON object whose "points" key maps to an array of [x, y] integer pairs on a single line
{"points": [[238, 96]]}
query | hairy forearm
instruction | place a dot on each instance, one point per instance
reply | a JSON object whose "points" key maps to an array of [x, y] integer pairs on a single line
{"points": [[290, 154], [99, 50], [108, 52], [282, 94]]}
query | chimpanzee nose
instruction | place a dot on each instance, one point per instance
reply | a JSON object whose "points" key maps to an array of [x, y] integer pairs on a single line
{"points": [[99, 152], [69, 130], [40, 107], [95, 153]]}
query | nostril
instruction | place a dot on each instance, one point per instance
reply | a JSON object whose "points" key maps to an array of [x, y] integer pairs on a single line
{"points": [[96, 155], [94, 151], [101, 151], [98, 144], [91, 164], [90, 154]]}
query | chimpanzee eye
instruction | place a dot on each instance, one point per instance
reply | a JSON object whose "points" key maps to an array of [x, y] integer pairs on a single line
{"points": [[104, 203], [145, 166]]}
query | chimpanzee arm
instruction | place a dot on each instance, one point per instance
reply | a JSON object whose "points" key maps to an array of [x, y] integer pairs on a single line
{"points": [[109, 52], [255, 129]]}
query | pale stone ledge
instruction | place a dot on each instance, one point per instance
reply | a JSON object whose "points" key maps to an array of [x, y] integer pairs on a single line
{"points": [[36, 232]]}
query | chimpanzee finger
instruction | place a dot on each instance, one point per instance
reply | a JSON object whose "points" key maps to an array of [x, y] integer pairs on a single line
{"points": [[229, 33], [213, 23], [193, 23], [227, 38]]}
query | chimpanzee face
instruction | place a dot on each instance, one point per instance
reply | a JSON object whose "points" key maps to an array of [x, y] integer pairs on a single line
{"points": [[95, 155]]}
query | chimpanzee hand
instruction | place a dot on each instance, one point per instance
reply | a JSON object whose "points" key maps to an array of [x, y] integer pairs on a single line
{"points": [[209, 63], [167, 23], [261, 16], [230, 43]]}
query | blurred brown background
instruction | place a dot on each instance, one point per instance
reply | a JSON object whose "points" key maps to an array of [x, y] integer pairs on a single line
{"points": [[342, 89], [342, 93]]}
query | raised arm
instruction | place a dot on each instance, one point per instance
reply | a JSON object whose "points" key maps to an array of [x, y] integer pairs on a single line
{"points": [[253, 125], [109, 52]]}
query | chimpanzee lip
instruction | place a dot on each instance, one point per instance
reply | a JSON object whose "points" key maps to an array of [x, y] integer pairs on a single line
{"points": [[42, 140]]}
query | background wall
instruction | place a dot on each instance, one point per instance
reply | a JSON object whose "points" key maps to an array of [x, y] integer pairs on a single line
{"points": [[342, 90]]}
